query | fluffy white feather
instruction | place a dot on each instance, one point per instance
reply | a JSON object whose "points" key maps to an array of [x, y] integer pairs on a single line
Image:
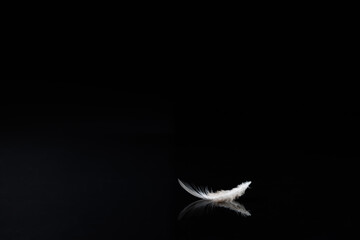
{"points": [[218, 196]]}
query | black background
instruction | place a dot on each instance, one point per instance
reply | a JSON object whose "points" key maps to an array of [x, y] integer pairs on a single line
{"points": [[106, 163], [95, 159]]}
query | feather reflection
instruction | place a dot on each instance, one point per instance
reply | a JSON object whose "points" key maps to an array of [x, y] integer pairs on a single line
{"points": [[201, 205]]}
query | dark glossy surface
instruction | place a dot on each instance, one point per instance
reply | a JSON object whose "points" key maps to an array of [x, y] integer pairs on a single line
{"points": [[108, 169]]}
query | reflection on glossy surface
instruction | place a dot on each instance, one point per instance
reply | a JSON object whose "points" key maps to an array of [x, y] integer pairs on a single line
{"points": [[206, 204]]}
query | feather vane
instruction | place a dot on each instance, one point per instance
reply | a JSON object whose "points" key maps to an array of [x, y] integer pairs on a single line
{"points": [[218, 196]]}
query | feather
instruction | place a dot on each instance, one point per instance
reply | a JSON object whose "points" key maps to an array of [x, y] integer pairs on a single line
{"points": [[219, 196]]}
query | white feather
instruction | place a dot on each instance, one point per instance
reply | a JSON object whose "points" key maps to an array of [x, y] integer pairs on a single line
{"points": [[219, 196]]}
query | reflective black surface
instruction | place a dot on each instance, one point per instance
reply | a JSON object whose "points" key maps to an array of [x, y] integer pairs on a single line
{"points": [[108, 169]]}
